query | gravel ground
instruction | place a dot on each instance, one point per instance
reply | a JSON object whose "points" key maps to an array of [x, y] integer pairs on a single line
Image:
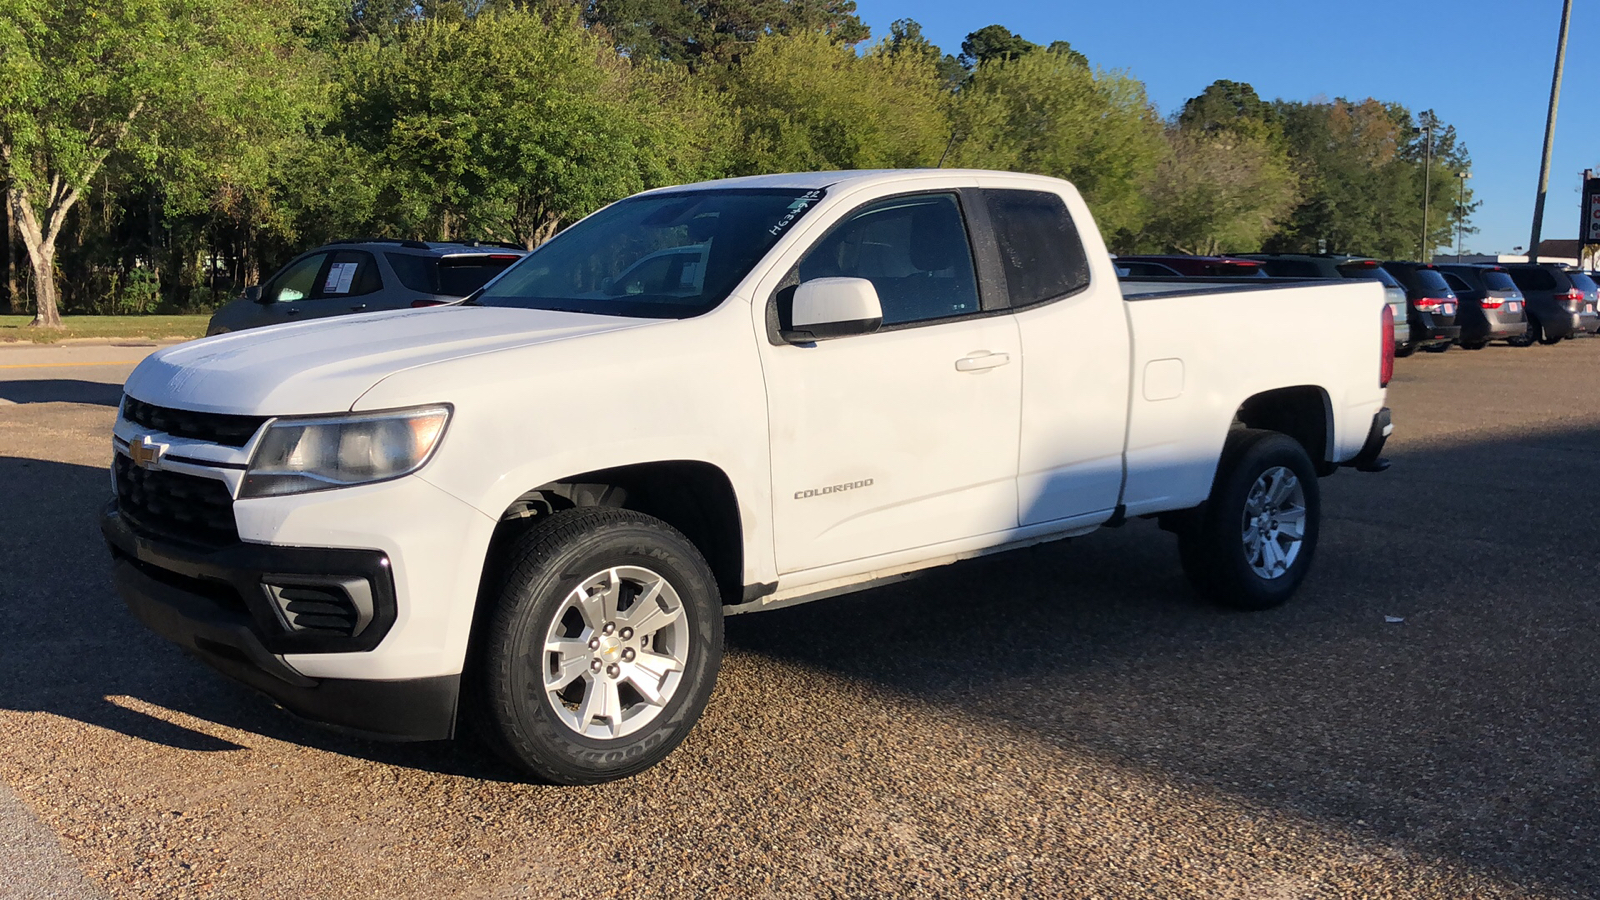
{"points": [[1062, 721]]}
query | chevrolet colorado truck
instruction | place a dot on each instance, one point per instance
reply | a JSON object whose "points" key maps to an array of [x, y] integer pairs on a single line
{"points": [[531, 510]]}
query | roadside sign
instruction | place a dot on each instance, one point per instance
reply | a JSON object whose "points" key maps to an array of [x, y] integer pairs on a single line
{"points": [[1589, 231]]}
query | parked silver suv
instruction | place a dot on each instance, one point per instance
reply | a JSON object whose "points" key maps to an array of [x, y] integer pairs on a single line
{"points": [[366, 275]]}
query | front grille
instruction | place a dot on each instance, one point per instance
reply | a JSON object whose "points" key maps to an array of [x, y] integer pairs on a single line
{"points": [[172, 504], [218, 428], [317, 609]]}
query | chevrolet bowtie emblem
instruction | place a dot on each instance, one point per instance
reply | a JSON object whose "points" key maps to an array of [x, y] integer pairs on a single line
{"points": [[146, 453]]}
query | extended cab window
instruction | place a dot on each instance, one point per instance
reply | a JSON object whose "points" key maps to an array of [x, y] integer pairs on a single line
{"points": [[913, 249], [1039, 246]]}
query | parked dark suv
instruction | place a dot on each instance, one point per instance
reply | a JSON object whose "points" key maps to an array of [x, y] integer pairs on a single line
{"points": [[1433, 305], [366, 275], [1491, 305], [1553, 301], [1334, 265], [1199, 266]]}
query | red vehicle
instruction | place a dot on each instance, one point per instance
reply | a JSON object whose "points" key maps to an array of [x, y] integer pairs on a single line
{"points": [[1192, 266]]}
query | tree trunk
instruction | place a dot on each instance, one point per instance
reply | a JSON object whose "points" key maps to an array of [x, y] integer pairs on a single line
{"points": [[40, 242], [13, 299]]}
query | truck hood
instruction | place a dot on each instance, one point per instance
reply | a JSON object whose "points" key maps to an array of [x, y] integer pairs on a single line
{"points": [[325, 365]]}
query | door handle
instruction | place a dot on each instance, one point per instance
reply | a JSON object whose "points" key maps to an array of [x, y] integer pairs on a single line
{"points": [[358, 307], [291, 311], [981, 360]]}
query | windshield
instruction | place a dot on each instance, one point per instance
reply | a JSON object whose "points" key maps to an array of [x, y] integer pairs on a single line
{"points": [[659, 256]]}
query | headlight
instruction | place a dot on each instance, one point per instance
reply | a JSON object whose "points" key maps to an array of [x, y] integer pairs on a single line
{"points": [[300, 455]]}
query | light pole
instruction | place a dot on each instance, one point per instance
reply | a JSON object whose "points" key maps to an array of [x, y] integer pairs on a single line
{"points": [[1427, 179], [1461, 201], [1549, 132]]}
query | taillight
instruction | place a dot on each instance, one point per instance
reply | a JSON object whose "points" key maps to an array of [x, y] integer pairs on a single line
{"points": [[1386, 359], [1430, 304], [1574, 297], [1490, 303]]}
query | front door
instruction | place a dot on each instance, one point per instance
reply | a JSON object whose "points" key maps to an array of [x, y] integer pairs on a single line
{"points": [[907, 437]]}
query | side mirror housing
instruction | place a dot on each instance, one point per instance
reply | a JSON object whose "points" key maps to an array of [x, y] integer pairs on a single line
{"points": [[833, 307], [253, 294]]}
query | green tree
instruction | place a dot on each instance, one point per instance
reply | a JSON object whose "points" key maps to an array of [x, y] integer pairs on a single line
{"points": [[906, 38], [506, 125], [1217, 192], [1230, 106], [701, 32], [807, 103], [993, 43], [1361, 166], [153, 81], [1048, 114]]}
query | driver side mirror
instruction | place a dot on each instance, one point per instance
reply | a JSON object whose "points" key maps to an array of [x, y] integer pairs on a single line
{"points": [[253, 294], [833, 307]]}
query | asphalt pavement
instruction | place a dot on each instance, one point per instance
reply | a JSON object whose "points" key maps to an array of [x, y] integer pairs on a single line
{"points": [[1065, 721]]}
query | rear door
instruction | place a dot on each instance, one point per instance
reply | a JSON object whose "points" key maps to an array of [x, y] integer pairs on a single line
{"points": [[1075, 354], [907, 437]]}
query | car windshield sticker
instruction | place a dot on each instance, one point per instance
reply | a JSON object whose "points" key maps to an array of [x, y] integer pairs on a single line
{"points": [[795, 209], [339, 277]]}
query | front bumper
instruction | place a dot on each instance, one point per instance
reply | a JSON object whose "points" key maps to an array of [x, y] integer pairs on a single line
{"points": [[213, 603]]}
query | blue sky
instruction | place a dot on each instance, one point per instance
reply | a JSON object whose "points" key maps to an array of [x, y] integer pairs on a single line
{"points": [[1483, 66]]}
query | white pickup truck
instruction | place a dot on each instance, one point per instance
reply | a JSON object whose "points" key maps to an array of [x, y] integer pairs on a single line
{"points": [[533, 508]]}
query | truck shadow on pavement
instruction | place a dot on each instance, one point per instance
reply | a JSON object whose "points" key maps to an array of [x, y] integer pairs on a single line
{"points": [[61, 390], [1465, 732], [69, 647]]}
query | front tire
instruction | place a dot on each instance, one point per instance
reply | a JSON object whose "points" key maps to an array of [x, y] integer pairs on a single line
{"points": [[602, 647], [1252, 543]]}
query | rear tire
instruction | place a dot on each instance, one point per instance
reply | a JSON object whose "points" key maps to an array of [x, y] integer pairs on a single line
{"points": [[1403, 350], [1438, 348], [1474, 345], [1252, 542], [601, 649]]}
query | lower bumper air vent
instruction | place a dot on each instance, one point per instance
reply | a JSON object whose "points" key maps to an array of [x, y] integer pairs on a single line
{"points": [[333, 607]]}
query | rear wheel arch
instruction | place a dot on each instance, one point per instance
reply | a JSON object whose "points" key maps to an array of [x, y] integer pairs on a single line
{"points": [[1303, 412]]}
